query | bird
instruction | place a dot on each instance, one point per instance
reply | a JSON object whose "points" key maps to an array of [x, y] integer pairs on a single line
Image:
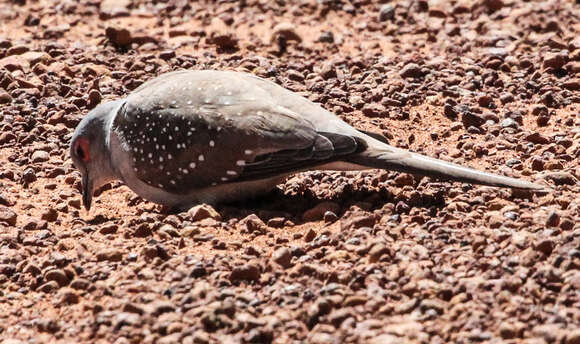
{"points": [[206, 136]]}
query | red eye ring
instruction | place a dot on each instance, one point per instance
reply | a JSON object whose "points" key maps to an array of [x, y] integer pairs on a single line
{"points": [[81, 149]]}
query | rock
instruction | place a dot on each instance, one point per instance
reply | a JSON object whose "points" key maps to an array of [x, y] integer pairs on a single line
{"points": [[539, 110], [537, 138], [94, 98], [374, 110], [48, 287], [545, 245], [282, 256], [224, 40], [120, 37], [80, 283], [246, 272], [5, 98], [114, 8], [254, 224], [8, 216], [285, 31], [58, 276], [554, 60], [28, 176], [67, 296], [510, 330], [317, 212], [39, 156], [203, 211], [49, 215], [377, 251], [485, 100], [110, 254], [310, 235], [493, 5], [572, 85], [411, 70], [553, 219], [387, 12], [471, 119]]}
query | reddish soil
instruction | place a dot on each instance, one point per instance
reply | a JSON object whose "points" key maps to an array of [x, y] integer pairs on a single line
{"points": [[328, 257]]}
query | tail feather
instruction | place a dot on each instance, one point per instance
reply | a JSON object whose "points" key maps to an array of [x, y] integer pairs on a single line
{"points": [[403, 161]]}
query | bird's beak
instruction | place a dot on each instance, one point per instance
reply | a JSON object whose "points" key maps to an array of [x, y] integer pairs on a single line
{"points": [[87, 191]]}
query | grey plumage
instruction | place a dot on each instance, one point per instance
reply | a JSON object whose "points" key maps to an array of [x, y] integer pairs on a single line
{"points": [[208, 136]]}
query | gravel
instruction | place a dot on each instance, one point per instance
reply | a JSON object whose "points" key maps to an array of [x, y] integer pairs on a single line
{"points": [[345, 257]]}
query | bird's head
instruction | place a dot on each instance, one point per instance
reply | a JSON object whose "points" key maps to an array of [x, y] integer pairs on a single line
{"points": [[89, 149]]}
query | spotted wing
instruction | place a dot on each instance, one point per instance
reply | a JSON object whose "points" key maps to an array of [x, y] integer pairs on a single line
{"points": [[189, 130]]}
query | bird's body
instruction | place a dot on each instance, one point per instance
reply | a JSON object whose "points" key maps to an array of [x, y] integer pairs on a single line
{"points": [[191, 137]]}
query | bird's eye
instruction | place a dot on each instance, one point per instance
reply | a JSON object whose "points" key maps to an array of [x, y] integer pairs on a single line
{"points": [[81, 149]]}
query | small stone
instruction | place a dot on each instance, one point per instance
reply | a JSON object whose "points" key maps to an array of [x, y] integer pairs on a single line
{"points": [[80, 283], [286, 31], [485, 101], [374, 110], [224, 40], [553, 219], [282, 256], [509, 123], [110, 254], [537, 138], [254, 224], [49, 215], [329, 216], [120, 37], [57, 275], [94, 98], [376, 252], [506, 98], [203, 211], [387, 12], [246, 272], [310, 235], [411, 70], [48, 287], [326, 37], [545, 245], [39, 156], [67, 296], [471, 119], [28, 176], [8, 216], [5, 98], [554, 60], [539, 110]]}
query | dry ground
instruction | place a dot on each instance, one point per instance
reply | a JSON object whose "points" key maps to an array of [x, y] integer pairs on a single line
{"points": [[373, 257]]}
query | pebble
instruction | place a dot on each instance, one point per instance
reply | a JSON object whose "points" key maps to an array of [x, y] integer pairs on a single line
{"points": [[110, 254], [57, 275], [282, 256], [411, 70], [387, 12], [203, 211], [246, 272], [8, 216], [119, 36], [39, 156]]}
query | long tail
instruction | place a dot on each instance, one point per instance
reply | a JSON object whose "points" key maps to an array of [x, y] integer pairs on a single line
{"points": [[391, 158]]}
